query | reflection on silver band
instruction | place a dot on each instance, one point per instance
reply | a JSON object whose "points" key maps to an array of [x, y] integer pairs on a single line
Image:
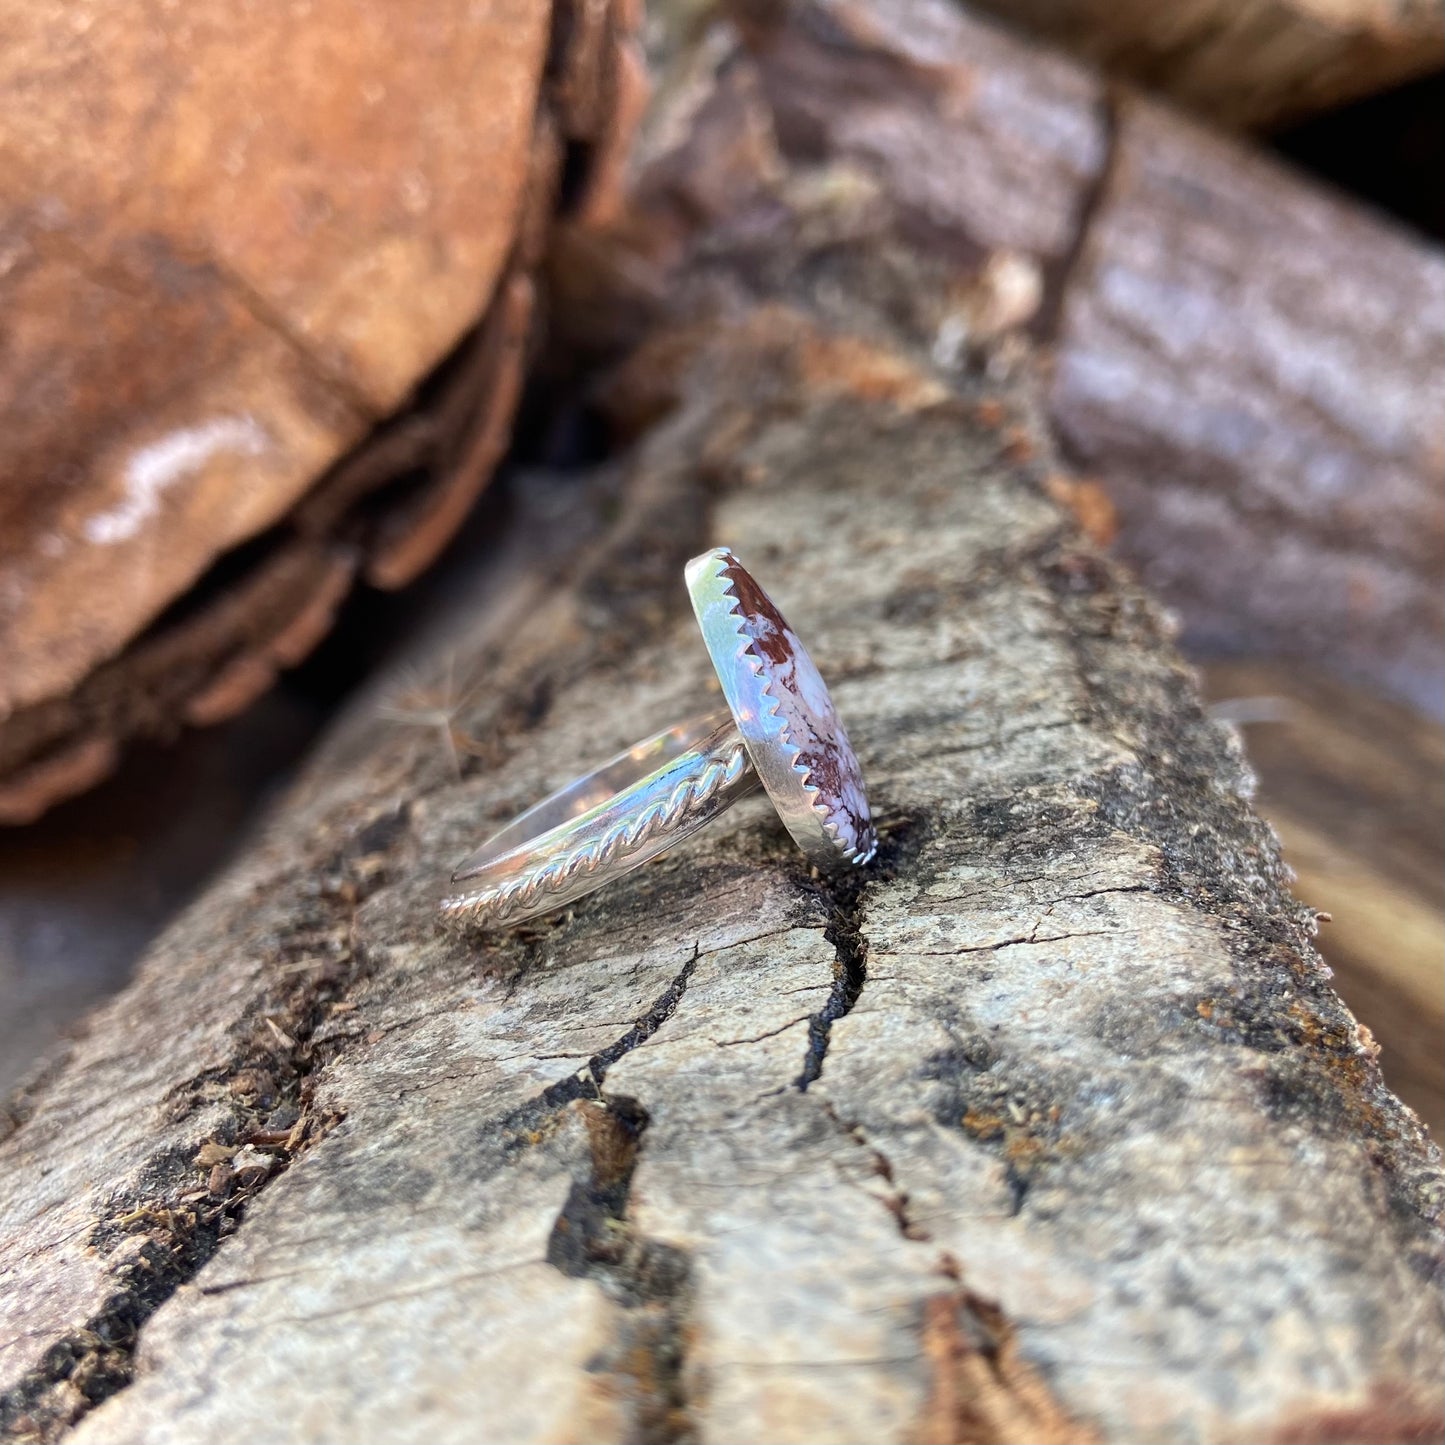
{"points": [[605, 824]]}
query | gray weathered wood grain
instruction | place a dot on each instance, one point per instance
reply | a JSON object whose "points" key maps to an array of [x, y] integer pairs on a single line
{"points": [[1049, 1128], [1251, 364]]}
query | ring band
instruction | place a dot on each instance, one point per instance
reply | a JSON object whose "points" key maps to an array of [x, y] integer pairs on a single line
{"points": [[605, 823], [779, 730]]}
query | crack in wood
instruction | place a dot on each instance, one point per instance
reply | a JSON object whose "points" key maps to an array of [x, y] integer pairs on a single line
{"points": [[899, 842], [850, 972], [270, 1079], [643, 1364], [592, 1238], [895, 1201], [982, 1389], [650, 1281], [1060, 274], [328, 371], [586, 1083]]}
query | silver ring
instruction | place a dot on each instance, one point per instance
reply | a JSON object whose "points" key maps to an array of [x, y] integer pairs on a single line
{"points": [[780, 729]]}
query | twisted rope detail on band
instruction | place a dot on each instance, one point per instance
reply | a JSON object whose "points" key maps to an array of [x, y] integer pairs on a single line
{"points": [[497, 904]]}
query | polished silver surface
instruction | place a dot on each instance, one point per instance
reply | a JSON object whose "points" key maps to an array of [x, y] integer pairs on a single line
{"points": [[604, 824], [784, 711], [780, 728]]}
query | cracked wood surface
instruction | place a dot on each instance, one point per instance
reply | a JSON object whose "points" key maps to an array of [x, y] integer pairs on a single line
{"points": [[1048, 1128]]}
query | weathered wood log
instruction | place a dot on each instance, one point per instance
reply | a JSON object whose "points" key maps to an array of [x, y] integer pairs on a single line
{"points": [[1252, 366], [269, 295], [1049, 1128], [235, 253], [1355, 787], [1247, 62]]}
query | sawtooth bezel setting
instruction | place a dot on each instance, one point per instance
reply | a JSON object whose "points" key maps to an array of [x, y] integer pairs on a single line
{"points": [[784, 712]]}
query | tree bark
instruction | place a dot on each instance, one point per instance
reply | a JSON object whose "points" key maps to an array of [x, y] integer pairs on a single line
{"points": [[1355, 787], [1046, 1128], [1247, 62], [1251, 365], [226, 407]]}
